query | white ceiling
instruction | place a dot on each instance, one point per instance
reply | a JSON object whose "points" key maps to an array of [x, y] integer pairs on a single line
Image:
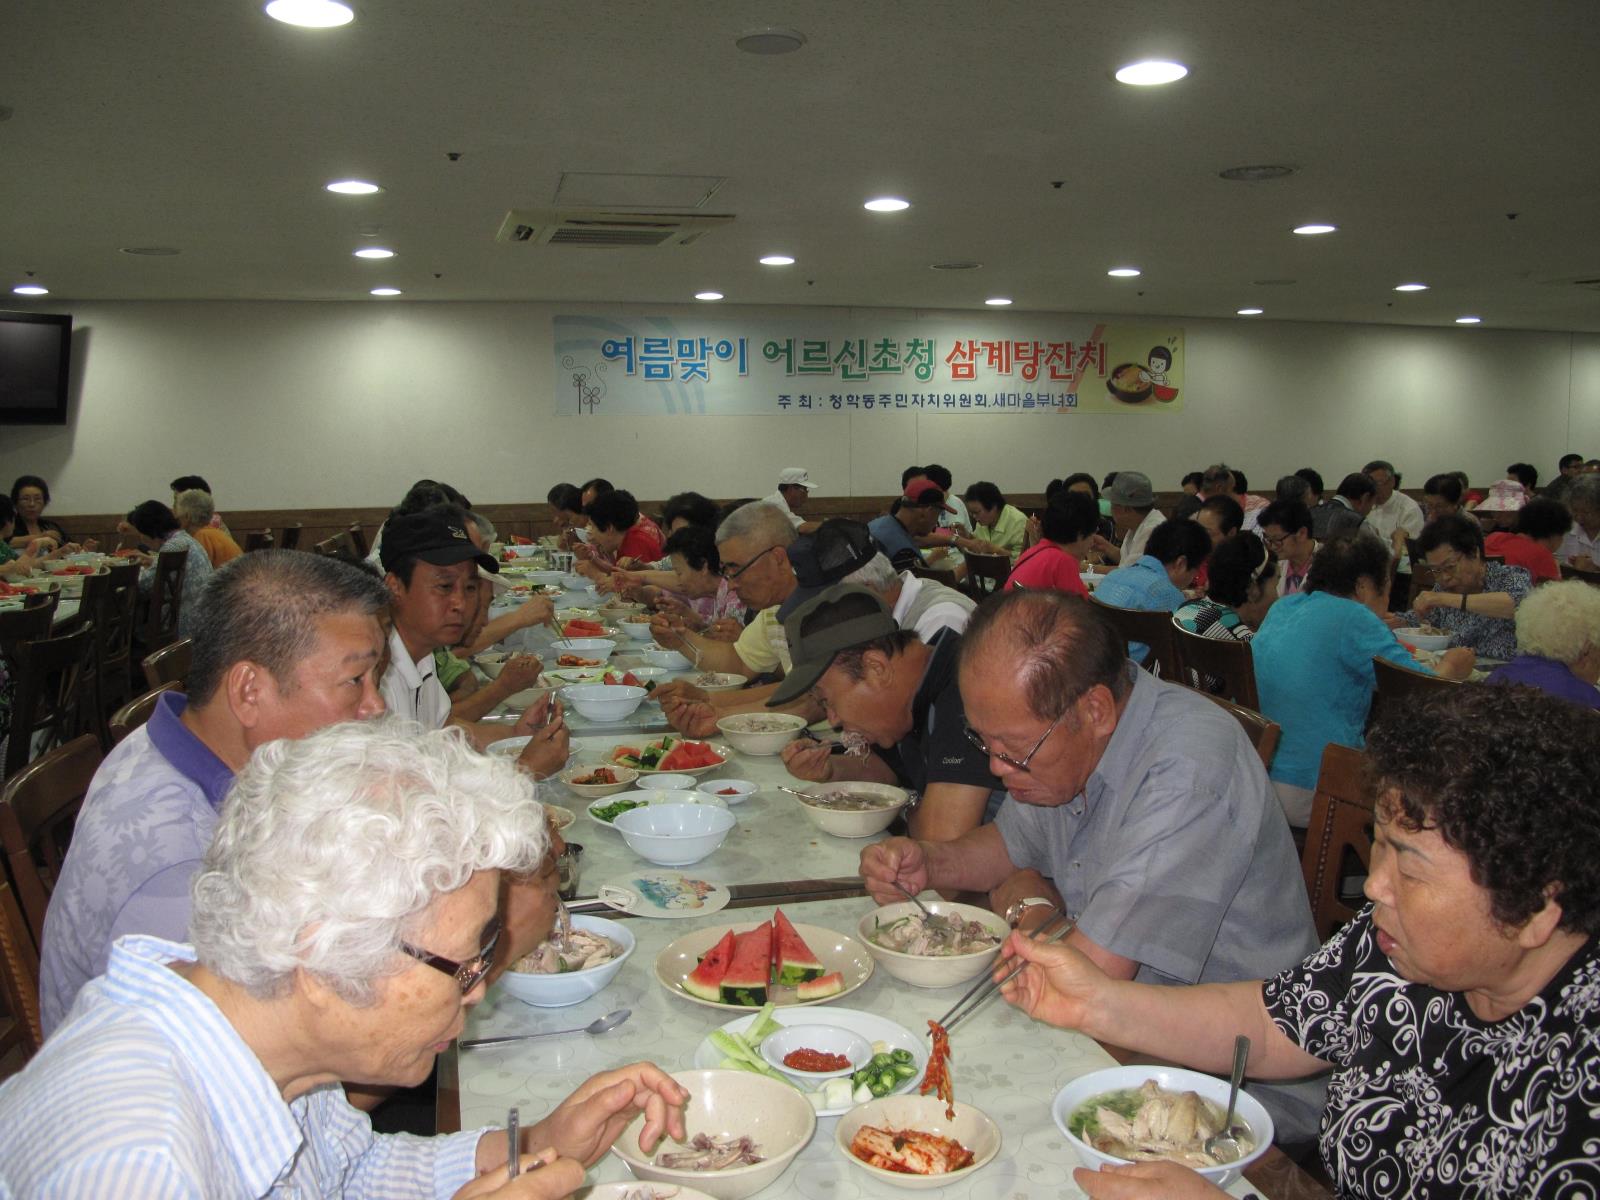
{"points": [[1416, 127]]}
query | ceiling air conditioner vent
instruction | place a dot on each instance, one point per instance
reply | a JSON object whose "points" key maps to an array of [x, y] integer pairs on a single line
{"points": [[613, 230]]}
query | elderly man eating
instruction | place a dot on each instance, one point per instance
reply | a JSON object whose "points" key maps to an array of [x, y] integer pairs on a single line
{"points": [[1135, 804], [345, 917]]}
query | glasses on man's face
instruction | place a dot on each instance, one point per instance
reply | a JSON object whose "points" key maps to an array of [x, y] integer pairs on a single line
{"points": [[467, 974], [732, 571], [1448, 568], [1274, 542], [1015, 764]]}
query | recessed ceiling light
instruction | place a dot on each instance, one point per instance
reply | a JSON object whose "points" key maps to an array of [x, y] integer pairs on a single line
{"points": [[1123, 272], [1152, 73], [1469, 320], [998, 301], [771, 40], [386, 291], [886, 204], [1257, 173], [1314, 230], [1251, 312], [152, 251], [1411, 287], [31, 289], [708, 295], [777, 260], [311, 14], [353, 187], [374, 252], [955, 266]]}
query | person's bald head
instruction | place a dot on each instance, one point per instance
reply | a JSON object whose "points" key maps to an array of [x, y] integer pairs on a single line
{"points": [[1054, 647]]}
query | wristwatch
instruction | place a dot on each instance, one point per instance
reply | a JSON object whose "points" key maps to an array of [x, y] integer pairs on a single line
{"points": [[1015, 912]]}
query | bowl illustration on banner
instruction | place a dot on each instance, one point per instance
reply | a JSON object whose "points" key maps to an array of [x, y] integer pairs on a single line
{"points": [[1130, 382]]}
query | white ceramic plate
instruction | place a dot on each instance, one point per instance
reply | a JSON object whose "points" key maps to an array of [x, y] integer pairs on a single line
{"points": [[665, 893], [869, 1025], [837, 951], [644, 772]]}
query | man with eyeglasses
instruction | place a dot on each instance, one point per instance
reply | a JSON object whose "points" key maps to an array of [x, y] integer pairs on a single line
{"points": [[1137, 805]]}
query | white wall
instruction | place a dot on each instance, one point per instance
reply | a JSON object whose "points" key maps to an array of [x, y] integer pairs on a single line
{"points": [[315, 404]]}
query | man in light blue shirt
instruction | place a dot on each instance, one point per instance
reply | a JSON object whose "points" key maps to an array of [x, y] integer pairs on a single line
{"points": [[1154, 582], [915, 515]]}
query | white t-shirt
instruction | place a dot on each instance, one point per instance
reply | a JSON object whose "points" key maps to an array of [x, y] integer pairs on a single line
{"points": [[410, 689], [1400, 511], [938, 613], [777, 501], [1133, 543], [1576, 543]]}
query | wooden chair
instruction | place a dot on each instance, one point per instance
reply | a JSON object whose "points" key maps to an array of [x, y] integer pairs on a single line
{"points": [[258, 541], [289, 539], [1154, 629], [1223, 661], [170, 664], [1402, 686], [986, 574], [358, 540], [1339, 838], [37, 811], [114, 628], [165, 600], [341, 546], [948, 578], [91, 603], [47, 601], [53, 694], [137, 711], [20, 1032]]}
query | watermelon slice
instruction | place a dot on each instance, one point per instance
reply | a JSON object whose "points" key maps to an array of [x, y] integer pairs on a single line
{"points": [[705, 980], [821, 988], [745, 981], [793, 961]]}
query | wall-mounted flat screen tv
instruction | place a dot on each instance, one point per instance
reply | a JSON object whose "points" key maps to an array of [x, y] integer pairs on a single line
{"points": [[35, 349]]}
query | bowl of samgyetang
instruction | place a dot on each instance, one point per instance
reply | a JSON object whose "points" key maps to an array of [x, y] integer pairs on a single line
{"points": [[563, 971], [959, 942], [732, 1118], [761, 733], [852, 809], [1132, 1114]]}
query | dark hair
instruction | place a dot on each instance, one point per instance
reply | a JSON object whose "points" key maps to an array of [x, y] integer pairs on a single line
{"points": [[1291, 516], [615, 509], [1292, 487], [1229, 511], [1061, 647], [263, 607], [1217, 473], [692, 507], [1380, 464], [8, 511], [1311, 476], [598, 485], [1446, 485], [565, 497], [1462, 534], [1178, 538], [911, 473], [1542, 517], [985, 493], [1505, 776], [27, 481], [1159, 351], [153, 519], [1342, 562], [425, 494], [850, 607], [939, 475], [1524, 473], [185, 483], [1069, 517], [1569, 460], [1053, 489], [1078, 477], [698, 545], [1195, 477], [1240, 483], [1235, 565], [1111, 477], [1356, 485]]}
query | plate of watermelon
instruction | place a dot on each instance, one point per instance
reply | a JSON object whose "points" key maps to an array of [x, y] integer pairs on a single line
{"points": [[746, 966], [671, 754]]}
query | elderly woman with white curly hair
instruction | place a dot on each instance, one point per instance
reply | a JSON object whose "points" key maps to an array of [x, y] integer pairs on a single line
{"points": [[1558, 643], [343, 921]]}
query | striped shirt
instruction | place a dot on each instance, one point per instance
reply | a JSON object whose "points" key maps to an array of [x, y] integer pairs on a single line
{"points": [[162, 1098]]}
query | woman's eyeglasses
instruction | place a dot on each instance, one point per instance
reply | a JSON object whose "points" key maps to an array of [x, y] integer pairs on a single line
{"points": [[467, 974], [1015, 764]]}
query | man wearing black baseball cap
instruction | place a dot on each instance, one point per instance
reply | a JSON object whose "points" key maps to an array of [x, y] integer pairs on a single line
{"points": [[883, 683], [431, 567]]}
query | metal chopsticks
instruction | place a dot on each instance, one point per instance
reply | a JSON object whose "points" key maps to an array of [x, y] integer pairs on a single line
{"points": [[1053, 930]]}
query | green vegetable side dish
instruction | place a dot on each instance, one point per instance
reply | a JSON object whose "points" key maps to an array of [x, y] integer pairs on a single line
{"points": [[885, 1072], [610, 812], [1083, 1122]]}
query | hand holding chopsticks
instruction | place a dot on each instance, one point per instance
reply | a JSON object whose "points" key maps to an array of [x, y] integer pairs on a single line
{"points": [[1052, 931]]}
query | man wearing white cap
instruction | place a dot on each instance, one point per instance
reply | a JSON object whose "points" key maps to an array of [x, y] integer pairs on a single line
{"points": [[794, 489]]}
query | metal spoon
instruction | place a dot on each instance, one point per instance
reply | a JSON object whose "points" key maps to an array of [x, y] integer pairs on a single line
{"points": [[1224, 1146], [912, 896], [602, 1025]]}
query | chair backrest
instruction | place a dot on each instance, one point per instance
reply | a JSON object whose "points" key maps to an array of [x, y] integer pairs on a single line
{"points": [[48, 601], [53, 691], [121, 613], [1400, 686], [20, 625], [358, 540], [166, 599], [1222, 666], [260, 540], [20, 1031], [1262, 732], [1154, 629], [987, 573], [289, 539], [1339, 838], [37, 809], [170, 664], [948, 578], [137, 711]]}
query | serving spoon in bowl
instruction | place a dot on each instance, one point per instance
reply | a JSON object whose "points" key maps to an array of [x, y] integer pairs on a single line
{"points": [[1224, 1146]]}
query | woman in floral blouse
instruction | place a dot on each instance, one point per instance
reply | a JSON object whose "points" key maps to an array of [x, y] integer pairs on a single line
{"points": [[1458, 1011]]}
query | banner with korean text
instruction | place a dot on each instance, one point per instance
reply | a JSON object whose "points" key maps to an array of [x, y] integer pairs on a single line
{"points": [[711, 366]]}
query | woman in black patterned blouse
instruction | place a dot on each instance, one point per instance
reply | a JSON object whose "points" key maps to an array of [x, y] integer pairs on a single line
{"points": [[1459, 1012]]}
